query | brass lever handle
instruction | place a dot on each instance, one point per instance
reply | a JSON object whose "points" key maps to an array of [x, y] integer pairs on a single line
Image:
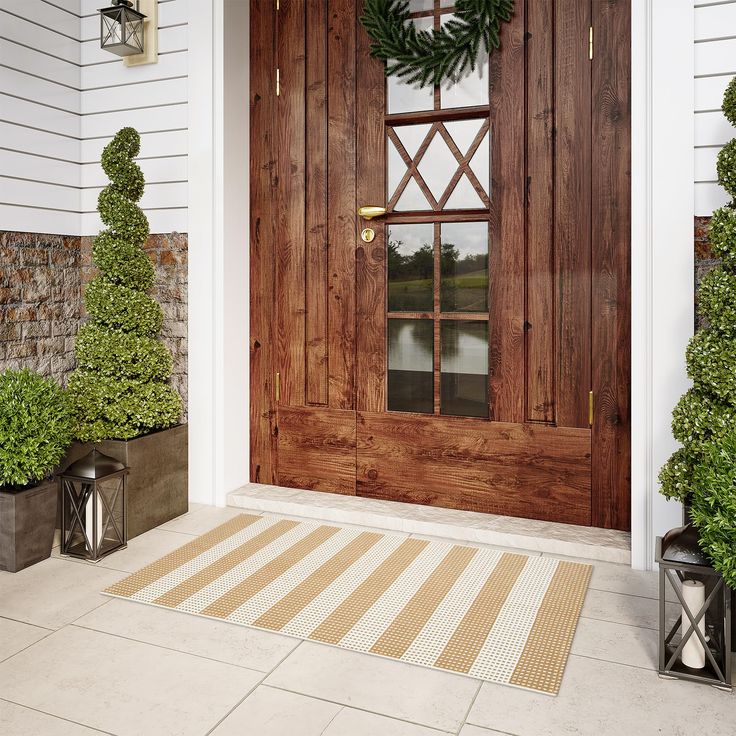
{"points": [[368, 212]]}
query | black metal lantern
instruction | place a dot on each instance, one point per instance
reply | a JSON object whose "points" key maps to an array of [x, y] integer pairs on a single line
{"points": [[121, 28], [93, 509], [698, 645]]}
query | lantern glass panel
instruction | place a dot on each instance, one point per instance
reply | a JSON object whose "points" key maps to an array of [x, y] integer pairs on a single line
{"points": [[121, 30]]}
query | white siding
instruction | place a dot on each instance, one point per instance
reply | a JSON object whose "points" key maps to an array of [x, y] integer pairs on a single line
{"points": [[715, 67], [40, 121], [59, 107]]}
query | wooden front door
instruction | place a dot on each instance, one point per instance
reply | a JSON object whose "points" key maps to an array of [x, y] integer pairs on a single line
{"points": [[475, 353]]}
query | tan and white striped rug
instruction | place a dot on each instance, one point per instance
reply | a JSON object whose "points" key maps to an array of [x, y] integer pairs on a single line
{"points": [[497, 616]]}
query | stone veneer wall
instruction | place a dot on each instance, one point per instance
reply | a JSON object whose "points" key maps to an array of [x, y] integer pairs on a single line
{"points": [[42, 278], [40, 302]]}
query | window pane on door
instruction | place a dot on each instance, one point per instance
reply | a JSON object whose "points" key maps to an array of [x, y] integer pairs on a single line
{"points": [[464, 267], [411, 365], [403, 97], [410, 267], [464, 368]]}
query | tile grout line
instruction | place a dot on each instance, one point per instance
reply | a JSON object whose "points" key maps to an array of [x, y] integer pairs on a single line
{"points": [[57, 718], [470, 707], [20, 651]]}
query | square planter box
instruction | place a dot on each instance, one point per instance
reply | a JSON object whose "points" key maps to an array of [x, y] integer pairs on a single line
{"points": [[158, 488], [27, 520]]}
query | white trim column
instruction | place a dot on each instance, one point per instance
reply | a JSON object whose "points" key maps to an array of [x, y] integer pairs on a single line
{"points": [[662, 251]]}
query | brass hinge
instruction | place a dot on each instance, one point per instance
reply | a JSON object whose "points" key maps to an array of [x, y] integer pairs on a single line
{"points": [[590, 408], [278, 81], [590, 43], [278, 387]]}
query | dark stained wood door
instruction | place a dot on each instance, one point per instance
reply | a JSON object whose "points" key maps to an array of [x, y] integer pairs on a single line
{"points": [[475, 354]]}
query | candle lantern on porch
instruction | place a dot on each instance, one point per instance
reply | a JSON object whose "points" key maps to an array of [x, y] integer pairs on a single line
{"points": [[696, 645], [121, 28], [93, 507]]}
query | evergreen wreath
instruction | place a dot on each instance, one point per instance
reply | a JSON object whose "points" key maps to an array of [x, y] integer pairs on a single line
{"points": [[430, 56]]}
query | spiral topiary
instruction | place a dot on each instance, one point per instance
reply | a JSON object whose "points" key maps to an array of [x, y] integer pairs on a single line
{"points": [[702, 472], [119, 389]]}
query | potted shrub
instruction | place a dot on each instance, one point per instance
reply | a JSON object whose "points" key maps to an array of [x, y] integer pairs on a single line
{"points": [[120, 391], [702, 473], [36, 425]]}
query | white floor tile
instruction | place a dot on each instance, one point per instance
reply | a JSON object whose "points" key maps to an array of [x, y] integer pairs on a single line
{"points": [[468, 730], [123, 687], [607, 700], [270, 712], [428, 697], [15, 720], [631, 645], [623, 609], [16, 636], [225, 642], [54, 592], [351, 722]]}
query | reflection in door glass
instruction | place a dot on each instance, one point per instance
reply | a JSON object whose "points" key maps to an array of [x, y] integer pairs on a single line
{"points": [[410, 268], [411, 365], [472, 88], [464, 267], [403, 97], [464, 368]]}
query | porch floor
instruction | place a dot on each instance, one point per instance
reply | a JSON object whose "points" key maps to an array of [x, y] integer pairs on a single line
{"points": [[75, 663], [607, 545]]}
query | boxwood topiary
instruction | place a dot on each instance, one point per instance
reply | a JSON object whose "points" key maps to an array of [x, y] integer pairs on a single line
{"points": [[703, 472], [36, 425], [120, 388]]}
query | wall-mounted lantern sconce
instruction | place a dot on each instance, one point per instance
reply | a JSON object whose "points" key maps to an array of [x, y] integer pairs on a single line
{"points": [[130, 31]]}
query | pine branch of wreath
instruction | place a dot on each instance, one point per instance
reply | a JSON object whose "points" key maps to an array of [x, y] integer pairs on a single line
{"points": [[431, 56]]}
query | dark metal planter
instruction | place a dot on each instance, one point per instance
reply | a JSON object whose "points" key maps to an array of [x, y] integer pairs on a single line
{"points": [[27, 521], [158, 488]]}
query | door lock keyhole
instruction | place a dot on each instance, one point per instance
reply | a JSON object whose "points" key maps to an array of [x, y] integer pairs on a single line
{"points": [[367, 235]]}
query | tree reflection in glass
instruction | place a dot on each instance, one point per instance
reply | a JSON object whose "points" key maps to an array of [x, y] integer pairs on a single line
{"points": [[411, 365], [410, 268], [464, 368], [464, 267]]}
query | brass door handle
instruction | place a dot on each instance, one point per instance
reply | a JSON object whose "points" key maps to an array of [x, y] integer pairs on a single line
{"points": [[368, 212]]}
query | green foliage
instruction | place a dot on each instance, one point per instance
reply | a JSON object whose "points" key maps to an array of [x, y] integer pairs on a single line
{"points": [[722, 235], [676, 476], [717, 301], [699, 419], [121, 408], [429, 57], [119, 388], [729, 102], [122, 308], [121, 354], [726, 167], [714, 506], [36, 424], [122, 262], [710, 363]]}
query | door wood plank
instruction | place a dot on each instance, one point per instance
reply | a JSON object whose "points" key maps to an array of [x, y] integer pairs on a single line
{"points": [[341, 210], [572, 211], [533, 471], [317, 449], [290, 213], [316, 212], [262, 241], [540, 400], [506, 262], [611, 265], [371, 257]]}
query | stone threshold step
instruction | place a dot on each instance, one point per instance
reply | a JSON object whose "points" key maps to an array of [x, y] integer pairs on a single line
{"points": [[606, 545]]}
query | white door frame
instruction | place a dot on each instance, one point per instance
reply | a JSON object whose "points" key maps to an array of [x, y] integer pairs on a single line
{"points": [[662, 256]]}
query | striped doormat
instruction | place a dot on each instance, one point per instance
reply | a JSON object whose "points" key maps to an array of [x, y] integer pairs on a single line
{"points": [[497, 616]]}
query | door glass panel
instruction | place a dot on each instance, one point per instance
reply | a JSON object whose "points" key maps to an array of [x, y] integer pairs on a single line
{"points": [[464, 267], [410, 268], [416, 5], [411, 365], [412, 136], [403, 97], [412, 198], [437, 166], [464, 368], [472, 88], [396, 168], [463, 132], [480, 164], [464, 196]]}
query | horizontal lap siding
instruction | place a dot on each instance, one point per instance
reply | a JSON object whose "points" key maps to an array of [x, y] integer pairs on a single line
{"points": [[60, 108], [40, 124], [151, 98], [715, 66]]}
